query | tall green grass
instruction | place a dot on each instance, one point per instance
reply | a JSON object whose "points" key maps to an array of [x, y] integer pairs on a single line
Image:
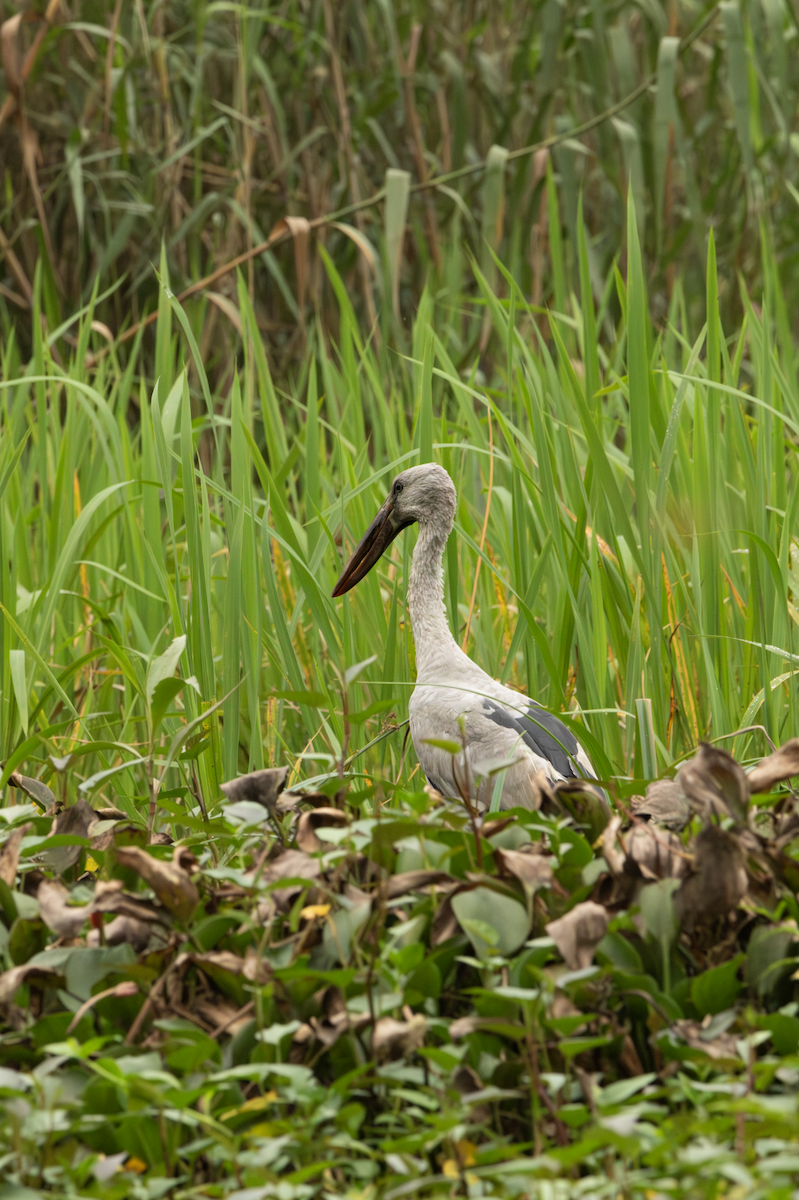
{"points": [[638, 570]]}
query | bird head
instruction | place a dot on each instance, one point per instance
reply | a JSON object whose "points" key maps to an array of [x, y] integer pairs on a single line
{"points": [[423, 494]]}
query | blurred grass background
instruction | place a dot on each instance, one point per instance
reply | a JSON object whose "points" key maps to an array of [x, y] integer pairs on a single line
{"points": [[626, 464], [200, 125]]}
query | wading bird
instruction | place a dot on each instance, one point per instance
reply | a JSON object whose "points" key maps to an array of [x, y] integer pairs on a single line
{"points": [[454, 700]]}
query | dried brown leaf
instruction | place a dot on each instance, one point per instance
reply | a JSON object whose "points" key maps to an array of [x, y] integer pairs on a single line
{"points": [[300, 230], [34, 788], [9, 53], [110, 898], [718, 882], [656, 853], [578, 933], [170, 882], [491, 828], [463, 1027], [291, 864], [256, 968], [778, 767], [445, 923], [584, 802], [532, 870], [225, 306], [695, 1035], [9, 854], [398, 1039], [260, 787], [714, 784], [665, 803], [76, 821], [123, 929], [315, 819], [30, 973], [55, 910], [412, 881], [610, 851]]}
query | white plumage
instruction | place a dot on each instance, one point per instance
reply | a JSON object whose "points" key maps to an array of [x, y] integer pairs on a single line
{"points": [[454, 700]]}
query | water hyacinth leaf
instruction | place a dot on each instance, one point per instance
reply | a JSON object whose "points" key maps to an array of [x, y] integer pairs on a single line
{"points": [[768, 957], [718, 988], [493, 923], [657, 910], [784, 1035]]}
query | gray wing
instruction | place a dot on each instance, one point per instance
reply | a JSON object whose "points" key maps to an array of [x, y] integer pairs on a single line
{"points": [[545, 735]]}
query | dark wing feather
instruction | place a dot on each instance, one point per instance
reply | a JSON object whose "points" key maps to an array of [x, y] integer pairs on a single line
{"points": [[544, 734]]}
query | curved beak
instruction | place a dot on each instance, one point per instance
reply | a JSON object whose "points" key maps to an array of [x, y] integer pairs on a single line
{"points": [[373, 544]]}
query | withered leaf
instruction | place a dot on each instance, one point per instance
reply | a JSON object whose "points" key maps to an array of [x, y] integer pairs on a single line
{"points": [[30, 973], [718, 882], [463, 1026], [720, 1046], [123, 929], [445, 923], [398, 1039], [110, 898], [613, 857], [35, 789], [9, 53], [655, 853], [466, 1080], [259, 787], [714, 784], [584, 802], [778, 767], [411, 881], [491, 828], [9, 854], [314, 819], [665, 803], [64, 919], [76, 820], [221, 1015], [256, 968], [171, 883], [578, 933], [291, 864], [531, 869]]}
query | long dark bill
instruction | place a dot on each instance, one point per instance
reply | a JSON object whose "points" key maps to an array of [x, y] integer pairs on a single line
{"points": [[373, 544]]}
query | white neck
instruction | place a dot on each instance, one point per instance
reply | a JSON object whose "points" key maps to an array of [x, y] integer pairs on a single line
{"points": [[431, 633]]}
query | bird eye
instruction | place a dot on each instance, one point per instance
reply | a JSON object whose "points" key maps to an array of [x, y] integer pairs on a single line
{"points": [[397, 488]]}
